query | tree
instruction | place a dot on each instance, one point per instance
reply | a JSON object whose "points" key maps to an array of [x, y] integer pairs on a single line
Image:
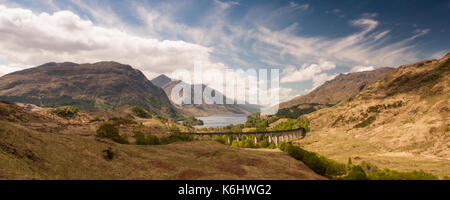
{"points": [[111, 132]]}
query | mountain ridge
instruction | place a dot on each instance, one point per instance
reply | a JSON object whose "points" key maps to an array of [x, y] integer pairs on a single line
{"points": [[97, 86], [403, 118], [197, 110], [342, 87]]}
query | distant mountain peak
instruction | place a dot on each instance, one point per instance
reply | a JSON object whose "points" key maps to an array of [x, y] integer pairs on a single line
{"points": [[161, 80]]}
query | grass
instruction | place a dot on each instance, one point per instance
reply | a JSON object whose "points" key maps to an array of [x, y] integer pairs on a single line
{"points": [[339, 145], [49, 156], [332, 169], [366, 122]]}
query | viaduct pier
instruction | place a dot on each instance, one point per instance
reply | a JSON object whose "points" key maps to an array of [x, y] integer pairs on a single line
{"points": [[273, 136]]}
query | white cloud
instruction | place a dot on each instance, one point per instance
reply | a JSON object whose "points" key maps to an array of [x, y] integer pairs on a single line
{"points": [[6, 69], [312, 72], [31, 39], [365, 47], [439, 54], [381, 35], [298, 6], [361, 68], [419, 32]]}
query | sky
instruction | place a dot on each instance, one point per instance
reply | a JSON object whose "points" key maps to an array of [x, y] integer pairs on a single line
{"points": [[309, 41]]}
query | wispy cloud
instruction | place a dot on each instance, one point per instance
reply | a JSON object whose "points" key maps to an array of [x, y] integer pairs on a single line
{"points": [[34, 38], [362, 68], [164, 42]]}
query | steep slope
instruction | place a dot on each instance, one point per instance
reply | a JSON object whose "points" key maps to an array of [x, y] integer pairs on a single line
{"points": [[401, 122], [199, 110], [98, 86], [342, 87]]}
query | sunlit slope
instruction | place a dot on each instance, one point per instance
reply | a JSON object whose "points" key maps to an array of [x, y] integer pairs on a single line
{"points": [[400, 122]]}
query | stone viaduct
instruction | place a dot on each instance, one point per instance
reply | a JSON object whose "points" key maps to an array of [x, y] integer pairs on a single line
{"points": [[274, 136]]}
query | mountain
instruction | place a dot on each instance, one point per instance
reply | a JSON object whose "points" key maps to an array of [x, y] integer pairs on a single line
{"points": [[395, 122], [97, 86], [202, 109], [342, 87], [161, 80]]}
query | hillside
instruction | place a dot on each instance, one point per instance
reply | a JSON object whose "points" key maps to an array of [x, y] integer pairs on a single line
{"points": [[201, 110], [342, 87], [98, 86], [401, 122], [64, 152]]}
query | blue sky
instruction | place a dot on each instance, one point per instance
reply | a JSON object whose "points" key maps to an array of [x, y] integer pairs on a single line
{"points": [[309, 41]]}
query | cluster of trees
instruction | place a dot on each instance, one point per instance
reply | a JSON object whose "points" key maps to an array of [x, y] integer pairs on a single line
{"points": [[66, 111], [117, 121], [141, 112], [249, 142], [110, 131], [192, 121], [335, 170], [261, 123], [149, 139], [291, 124], [294, 112]]}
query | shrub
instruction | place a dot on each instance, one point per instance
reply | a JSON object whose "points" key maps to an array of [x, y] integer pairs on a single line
{"points": [[146, 139], [284, 146], [220, 140], [141, 112], [176, 137], [316, 162], [96, 118], [162, 119], [356, 173], [375, 109], [173, 129], [66, 111], [153, 140], [111, 132], [140, 138], [304, 122], [117, 121], [387, 174], [447, 128], [248, 143], [109, 154], [366, 122], [192, 121], [287, 125], [295, 112]]}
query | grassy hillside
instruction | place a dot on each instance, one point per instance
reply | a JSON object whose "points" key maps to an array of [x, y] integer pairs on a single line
{"points": [[44, 145], [341, 88], [399, 122], [26, 154]]}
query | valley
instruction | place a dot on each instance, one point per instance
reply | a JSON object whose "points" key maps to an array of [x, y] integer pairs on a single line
{"points": [[384, 119]]}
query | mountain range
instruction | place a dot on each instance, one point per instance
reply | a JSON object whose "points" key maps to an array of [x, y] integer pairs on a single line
{"points": [[197, 110], [342, 87], [97, 86], [401, 121]]}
